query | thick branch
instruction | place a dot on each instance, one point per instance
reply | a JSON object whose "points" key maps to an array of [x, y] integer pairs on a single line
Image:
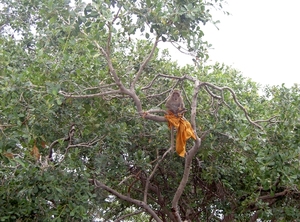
{"points": [[157, 111], [139, 203], [187, 167], [283, 193], [190, 154], [194, 104], [110, 66], [153, 117]]}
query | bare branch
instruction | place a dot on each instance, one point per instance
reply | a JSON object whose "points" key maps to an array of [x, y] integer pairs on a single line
{"points": [[151, 83], [111, 68], [221, 89], [6, 125], [272, 196], [139, 203], [145, 62], [190, 154], [116, 15], [155, 118], [108, 40], [86, 144], [185, 96], [69, 95], [179, 78], [100, 87], [268, 121], [211, 93], [187, 167], [153, 172], [107, 85], [182, 50], [128, 215], [157, 111], [109, 31], [160, 94], [126, 178], [197, 87], [69, 138]]}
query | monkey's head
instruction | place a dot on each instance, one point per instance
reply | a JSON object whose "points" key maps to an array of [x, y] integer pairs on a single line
{"points": [[176, 94]]}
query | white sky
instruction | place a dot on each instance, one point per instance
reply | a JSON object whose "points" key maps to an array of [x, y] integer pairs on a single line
{"points": [[261, 38]]}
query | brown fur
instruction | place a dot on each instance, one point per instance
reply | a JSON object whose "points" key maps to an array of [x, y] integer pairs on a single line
{"points": [[175, 102]]}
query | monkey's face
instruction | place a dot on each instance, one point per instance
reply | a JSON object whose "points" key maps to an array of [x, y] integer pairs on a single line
{"points": [[175, 96]]}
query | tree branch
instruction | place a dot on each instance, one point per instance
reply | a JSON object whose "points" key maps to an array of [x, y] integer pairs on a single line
{"points": [[70, 95], [221, 89], [109, 32], [153, 172], [268, 121], [128, 215], [187, 167], [275, 195], [145, 62], [190, 154], [139, 203]]}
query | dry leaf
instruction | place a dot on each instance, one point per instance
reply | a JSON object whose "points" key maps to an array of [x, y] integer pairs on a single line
{"points": [[43, 144], [35, 152], [9, 155]]}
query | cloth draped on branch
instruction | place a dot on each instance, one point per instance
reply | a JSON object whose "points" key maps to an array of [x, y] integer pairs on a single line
{"points": [[184, 131]]}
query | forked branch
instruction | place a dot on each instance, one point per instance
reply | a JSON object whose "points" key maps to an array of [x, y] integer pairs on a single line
{"points": [[221, 89], [136, 202]]}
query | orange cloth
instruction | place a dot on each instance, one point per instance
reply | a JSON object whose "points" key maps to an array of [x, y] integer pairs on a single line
{"points": [[184, 131]]}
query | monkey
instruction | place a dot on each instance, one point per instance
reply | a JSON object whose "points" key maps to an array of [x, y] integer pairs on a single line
{"points": [[175, 103], [176, 106]]}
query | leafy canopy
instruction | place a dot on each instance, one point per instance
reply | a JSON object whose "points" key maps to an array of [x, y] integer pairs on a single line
{"points": [[88, 82]]}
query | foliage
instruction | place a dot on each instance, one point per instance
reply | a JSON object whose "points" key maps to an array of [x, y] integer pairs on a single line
{"points": [[74, 80]]}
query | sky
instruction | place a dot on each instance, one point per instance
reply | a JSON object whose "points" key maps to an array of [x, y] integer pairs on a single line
{"points": [[261, 39]]}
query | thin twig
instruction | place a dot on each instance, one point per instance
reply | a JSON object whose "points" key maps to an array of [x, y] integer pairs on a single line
{"points": [[153, 172], [69, 95], [126, 178], [128, 215], [87, 144], [109, 32], [235, 100], [99, 87], [145, 62]]}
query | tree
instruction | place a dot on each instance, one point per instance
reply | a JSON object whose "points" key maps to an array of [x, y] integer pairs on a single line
{"points": [[83, 132]]}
